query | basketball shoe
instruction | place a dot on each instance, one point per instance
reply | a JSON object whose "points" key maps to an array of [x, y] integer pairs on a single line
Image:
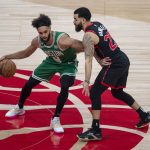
{"points": [[15, 112], [90, 135], [144, 121], [56, 126]]}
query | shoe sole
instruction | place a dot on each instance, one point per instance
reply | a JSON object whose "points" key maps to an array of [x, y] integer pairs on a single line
{"points": [[86, 140], [15, 116], [142, 126], [51, 128], [59, 132]]}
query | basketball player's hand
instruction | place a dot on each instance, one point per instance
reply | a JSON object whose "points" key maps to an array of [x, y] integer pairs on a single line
{"points": [[105, 61], [85, 90]]}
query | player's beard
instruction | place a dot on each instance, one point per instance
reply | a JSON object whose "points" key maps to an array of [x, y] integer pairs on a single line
{"points": [[79, 27]]}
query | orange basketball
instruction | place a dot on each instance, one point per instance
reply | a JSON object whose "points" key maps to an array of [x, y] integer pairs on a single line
{"points": [[7, 68]]}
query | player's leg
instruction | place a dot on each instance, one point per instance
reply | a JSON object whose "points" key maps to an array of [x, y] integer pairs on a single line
{"points": [[95, 95], [128, 99], [41, 73], [107, 77], [26, 91], [66, 82], [67, 73]]}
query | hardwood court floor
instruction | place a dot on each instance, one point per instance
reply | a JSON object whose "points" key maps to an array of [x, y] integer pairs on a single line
{"points": [[135, 9], [127, 21]]}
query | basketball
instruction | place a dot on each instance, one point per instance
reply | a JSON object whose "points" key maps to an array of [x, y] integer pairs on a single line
{"points": [[7, 68]]}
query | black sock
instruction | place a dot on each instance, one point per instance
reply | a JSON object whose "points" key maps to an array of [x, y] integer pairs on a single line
{"points": [[141, 113], [55, 115], [20, 106], [95, 125]]}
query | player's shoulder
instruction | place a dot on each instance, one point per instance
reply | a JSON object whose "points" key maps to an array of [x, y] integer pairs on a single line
{"points": [[63, 36], [59, 33], [96, 24], [35, 41]]}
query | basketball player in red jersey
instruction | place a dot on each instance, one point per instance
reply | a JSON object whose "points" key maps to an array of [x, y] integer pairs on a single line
{"points": [[98, 43]]}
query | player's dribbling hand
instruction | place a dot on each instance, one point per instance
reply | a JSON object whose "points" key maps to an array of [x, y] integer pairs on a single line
{"points": [[85, 90]]}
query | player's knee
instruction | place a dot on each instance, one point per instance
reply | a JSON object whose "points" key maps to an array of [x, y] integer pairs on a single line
{"points": [[31, 83], [27, 85], [94, 94], [123, 96], [115, 94], [67, 81]]}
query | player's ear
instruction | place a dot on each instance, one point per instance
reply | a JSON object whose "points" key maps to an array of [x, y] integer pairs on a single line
{"points": [[83, 20], [50, 28]]}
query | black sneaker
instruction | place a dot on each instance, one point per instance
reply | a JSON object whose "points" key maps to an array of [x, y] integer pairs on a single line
{"points": [[144, 122], [90, 135]]}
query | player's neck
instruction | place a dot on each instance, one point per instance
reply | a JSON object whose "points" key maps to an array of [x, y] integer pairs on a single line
{"points": [[86, 24], [50, 41]]}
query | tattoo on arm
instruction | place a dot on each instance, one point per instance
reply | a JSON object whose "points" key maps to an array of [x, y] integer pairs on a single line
{"points": [[88, 45]]}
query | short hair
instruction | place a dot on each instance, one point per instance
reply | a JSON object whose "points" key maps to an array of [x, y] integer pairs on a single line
{"points": [[42, 20], [83, 12]]}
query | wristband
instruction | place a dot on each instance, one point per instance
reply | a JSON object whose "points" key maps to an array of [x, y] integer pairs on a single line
{"points": [[87, 81]]}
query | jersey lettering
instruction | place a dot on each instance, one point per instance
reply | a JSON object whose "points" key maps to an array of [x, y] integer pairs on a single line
{"points": [[112, 45], [55, 55], [101, 28]]}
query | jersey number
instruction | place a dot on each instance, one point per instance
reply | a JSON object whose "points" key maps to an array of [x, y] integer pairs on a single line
{"points": [[111, 45]]}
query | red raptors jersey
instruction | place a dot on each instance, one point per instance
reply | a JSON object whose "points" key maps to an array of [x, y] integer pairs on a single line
{"points": [[106, 47]]}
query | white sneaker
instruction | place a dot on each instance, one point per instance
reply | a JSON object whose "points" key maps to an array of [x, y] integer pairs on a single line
{"points": [[56, 126], [15, 112]]}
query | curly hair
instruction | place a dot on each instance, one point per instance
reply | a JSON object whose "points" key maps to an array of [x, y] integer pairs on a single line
{"points": [[42, 20]]}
